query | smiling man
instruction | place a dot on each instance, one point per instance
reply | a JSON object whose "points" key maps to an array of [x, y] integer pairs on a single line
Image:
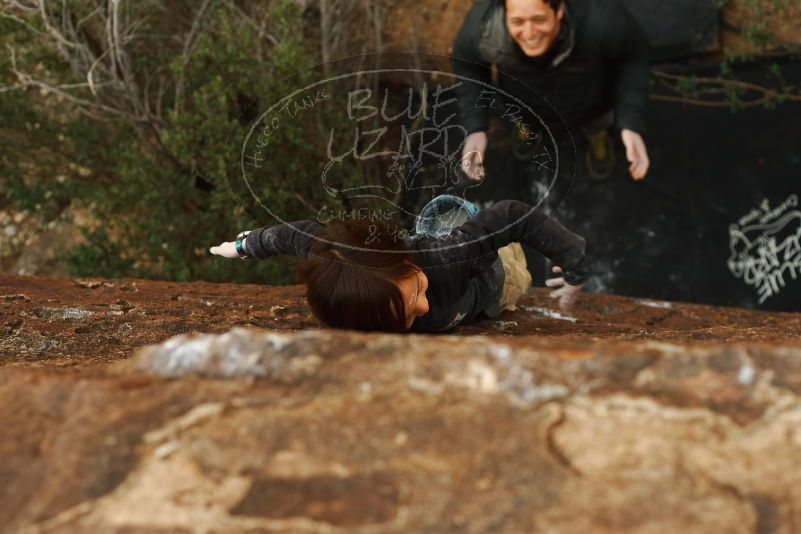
{"points": [[588, 58], [534, 25]]}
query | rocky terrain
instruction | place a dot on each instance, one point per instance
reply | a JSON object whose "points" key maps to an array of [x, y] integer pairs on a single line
{"points": [[133, 406]]}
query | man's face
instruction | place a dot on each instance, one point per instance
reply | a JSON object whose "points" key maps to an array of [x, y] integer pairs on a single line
{"points": [[533, 25]]}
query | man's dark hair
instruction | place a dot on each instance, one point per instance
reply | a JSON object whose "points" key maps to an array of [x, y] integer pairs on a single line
{"points": [[350, 276], [554, 4]]}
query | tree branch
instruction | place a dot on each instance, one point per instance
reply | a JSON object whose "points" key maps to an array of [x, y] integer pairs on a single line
{"points": [[718, 86], [189, 42]]}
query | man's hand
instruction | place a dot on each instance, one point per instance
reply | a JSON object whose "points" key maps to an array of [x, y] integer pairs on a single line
{"points": [[226, 250], [635, 153], [475, 145], [566, 293]]}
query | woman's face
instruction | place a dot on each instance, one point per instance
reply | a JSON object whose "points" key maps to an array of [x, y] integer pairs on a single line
{"points": [[413, 289], [533, 24]]}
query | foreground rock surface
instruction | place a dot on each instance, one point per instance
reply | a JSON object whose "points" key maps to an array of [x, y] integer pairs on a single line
{"points": [[621, 415]]}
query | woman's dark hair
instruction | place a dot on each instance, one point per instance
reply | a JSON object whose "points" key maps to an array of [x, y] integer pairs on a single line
{"points": [[350, 277], [554, 4]]}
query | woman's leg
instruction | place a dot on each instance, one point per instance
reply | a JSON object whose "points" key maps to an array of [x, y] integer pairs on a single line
{"points": [[517, 278]]}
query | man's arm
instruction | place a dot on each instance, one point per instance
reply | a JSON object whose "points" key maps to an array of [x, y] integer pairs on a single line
{"points": [[626, 49], [467, 63], [293, 239]]}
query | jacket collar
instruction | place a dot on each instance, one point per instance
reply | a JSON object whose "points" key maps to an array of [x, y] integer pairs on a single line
{"points": [[566, 38]]}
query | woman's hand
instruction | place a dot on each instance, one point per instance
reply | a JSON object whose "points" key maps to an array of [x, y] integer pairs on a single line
{"points": [[226, 250], [566, 293]]}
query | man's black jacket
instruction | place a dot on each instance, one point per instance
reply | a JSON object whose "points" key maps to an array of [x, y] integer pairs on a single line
{"points": [[598, 62], [463, 269]]}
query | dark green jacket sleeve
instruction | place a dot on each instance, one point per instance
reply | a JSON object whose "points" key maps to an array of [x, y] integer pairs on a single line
{"points": [[467, 63], [292, 239], [625, 49], [508, 221]]}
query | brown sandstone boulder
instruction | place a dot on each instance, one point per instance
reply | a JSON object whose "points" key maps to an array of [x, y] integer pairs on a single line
{"points": [[621, 415]]}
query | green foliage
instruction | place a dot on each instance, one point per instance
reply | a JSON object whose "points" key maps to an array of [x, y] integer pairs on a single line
{"points": [[759, 45], [687, 86], [165, 192], [758, 33], [100, 256], [29, 137]]}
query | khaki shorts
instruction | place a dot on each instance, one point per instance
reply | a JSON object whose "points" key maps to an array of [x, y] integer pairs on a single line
{"points": [[517, 278]]}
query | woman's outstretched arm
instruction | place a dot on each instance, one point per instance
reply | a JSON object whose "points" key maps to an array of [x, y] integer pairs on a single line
{"points": [[293, 239]]}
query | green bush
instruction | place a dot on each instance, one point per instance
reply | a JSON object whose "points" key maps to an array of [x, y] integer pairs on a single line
{"points": [[161, 187]]}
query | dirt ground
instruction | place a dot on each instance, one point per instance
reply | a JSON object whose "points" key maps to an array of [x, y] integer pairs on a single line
{"points": [[62, 322]]}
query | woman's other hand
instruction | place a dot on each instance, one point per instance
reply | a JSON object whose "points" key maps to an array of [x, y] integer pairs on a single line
{"points": [[564, 292]]}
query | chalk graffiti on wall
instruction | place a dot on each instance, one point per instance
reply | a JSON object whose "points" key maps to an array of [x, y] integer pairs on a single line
{"points": [[765, 247]]}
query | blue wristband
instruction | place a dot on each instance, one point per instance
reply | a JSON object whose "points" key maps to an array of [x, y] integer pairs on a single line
{"points": [[240, 250], [239, 244]]}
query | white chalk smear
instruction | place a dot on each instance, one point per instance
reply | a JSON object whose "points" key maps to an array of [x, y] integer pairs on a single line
{"points": [[503, 326], [746, 374], [655, 303], [552, 314]]}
